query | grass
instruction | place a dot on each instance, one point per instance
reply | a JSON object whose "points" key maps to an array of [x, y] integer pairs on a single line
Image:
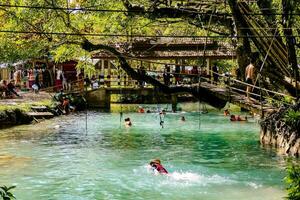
{"points": [[25, 106]]}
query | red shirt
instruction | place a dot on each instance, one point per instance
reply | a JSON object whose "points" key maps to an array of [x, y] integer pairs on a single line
{"points": [[160, 168]]}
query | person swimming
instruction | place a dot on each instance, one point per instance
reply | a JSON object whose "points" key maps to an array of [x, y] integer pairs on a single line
{"points": [[141, 110], [234, 118], [226, 112], [127, 122], [182, 119], [157, 166]]}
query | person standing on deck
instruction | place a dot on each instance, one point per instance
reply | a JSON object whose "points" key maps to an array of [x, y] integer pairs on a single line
{"points": [[249, 74], [215, 70]]}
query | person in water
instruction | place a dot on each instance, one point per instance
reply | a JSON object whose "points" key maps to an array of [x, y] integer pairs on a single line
{"points": [[157, 166], [127, 122], [183, 119], [141, 110], [234, 118], [226, 112]]}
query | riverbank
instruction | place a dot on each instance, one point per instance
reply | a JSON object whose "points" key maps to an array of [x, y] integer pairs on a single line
{"points": [[282, 130], [15, 111]]}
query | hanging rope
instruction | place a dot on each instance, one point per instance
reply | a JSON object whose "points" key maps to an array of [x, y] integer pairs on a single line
{"points": [[86, 104], [265, 58], [203, 63], [121, 92]]}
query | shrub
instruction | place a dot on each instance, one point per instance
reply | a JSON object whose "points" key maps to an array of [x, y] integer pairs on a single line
{"points": [[293, 182], [5, 193]]}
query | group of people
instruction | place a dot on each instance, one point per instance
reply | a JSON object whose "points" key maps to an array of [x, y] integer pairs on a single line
{"points": [[8, 90], [180, 74]]}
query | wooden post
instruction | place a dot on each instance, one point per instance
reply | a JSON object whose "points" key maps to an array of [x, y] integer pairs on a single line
{"points": [[109, 73]]}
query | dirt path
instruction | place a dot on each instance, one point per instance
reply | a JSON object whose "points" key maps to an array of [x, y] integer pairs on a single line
{"points": [[27, 97]]}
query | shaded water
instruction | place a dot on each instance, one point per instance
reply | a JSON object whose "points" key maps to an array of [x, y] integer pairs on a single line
{"points": [[56, 159]]}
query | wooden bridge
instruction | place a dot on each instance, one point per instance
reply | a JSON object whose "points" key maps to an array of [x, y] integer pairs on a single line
{"points": [[212, 94], [204, 90]]}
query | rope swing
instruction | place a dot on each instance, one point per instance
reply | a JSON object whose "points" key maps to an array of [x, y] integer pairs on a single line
{"points": [[203, 62]]}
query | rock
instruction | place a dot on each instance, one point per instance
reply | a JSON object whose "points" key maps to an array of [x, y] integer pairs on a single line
{"points": [[13, 117], [280, 133]]}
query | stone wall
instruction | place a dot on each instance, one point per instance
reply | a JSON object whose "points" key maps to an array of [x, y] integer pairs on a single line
{"points": [[10, 118], [277, 132]]}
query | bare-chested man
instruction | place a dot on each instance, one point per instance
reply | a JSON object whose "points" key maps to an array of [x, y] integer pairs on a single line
{"points": [[249, 74]]}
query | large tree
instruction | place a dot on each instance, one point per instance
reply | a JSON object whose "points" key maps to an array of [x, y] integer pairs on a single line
{"points": [[254, 27]]}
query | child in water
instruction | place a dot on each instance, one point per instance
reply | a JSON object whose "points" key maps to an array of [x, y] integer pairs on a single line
{"points": [[127, 122], [157, 166]]}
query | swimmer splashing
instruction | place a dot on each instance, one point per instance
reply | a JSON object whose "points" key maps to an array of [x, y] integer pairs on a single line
{"points": [[157, 166]]}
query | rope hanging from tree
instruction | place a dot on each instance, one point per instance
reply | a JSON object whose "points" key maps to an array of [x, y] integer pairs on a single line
{"points": [[203, 63]]}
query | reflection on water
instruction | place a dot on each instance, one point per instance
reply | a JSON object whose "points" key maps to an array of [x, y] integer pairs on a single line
{"points": [[56, 159]]}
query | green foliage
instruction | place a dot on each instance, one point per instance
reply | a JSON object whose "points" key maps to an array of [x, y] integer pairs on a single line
{"points": [[287, 100], [5, 193], [293, 182], [292, 117], [67, 52], [25, 106]]}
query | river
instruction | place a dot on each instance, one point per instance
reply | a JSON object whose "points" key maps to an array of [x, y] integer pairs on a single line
{"points": [[208, 157]]}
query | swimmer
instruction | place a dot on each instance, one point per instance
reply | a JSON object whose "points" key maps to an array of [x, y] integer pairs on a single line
{"points": [[127, 122], [157, 166], [141, 110], [239, 118], [183, 119], [234, 118], [226, 112]]}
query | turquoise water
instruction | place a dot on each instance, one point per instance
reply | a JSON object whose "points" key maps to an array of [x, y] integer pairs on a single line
{"points": [[57, 159]]}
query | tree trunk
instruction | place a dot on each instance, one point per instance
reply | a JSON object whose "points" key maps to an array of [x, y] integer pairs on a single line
{"points": [[243, 50], [287, 21]]}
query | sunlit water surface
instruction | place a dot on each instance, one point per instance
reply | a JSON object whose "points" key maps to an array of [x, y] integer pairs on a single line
{"points": [[207, 156]]}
